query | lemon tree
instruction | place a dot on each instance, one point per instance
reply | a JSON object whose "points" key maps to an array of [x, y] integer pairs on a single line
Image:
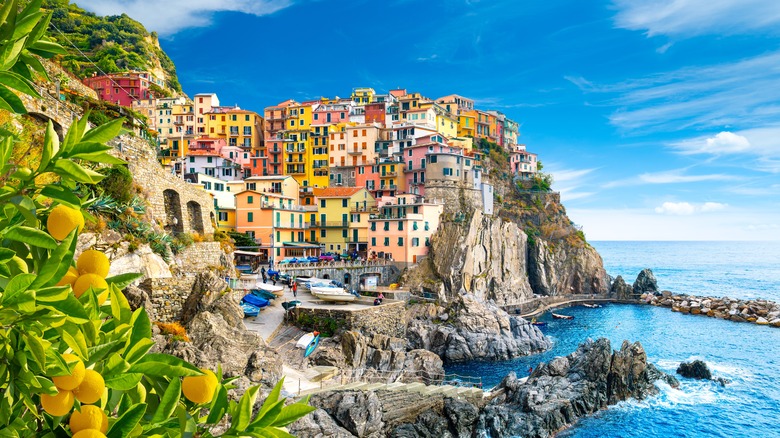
{"points": [[74, 358]]}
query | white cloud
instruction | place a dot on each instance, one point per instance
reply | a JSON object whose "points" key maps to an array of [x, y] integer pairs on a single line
{"points": [[170, 16], [566, 175], [685, 18], [722, 143], [676, 176], [687, 209]]}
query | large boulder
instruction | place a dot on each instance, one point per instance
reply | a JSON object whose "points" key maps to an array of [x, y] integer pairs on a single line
{"points": [[645, 283], [358, 412], [694, 370], [479, 330], [319, 424], [557, 394], [620, 289], [557, 268], [210, 294]]}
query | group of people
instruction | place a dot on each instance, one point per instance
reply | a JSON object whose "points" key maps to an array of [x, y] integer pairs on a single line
{"points": [[273, 277]]}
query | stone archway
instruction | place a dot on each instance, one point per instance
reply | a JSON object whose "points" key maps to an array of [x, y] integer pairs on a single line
{"points": [[45, 119], [195, 216], [174, 222]]}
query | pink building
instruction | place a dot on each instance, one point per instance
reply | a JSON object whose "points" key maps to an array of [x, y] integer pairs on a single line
{"points": [[523, 163], [122, 88], [367, 175], [402, 230], [414, 157], [329, 114]]}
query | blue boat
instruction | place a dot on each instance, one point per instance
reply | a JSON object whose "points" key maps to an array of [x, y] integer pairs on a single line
{"points": [[263, 294], [312, 345], [255, 301], [250, 310]]}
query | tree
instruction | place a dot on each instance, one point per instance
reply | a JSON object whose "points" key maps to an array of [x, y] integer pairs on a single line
{"points": [[63, 326]]}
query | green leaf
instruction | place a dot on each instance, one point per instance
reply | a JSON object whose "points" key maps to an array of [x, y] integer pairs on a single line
{"points": [[25, 24], [35, 345], [127, 422], [27, 208], [124, 381], [70, 307], [137, 350], [62, 194], [77, 172], [17, 82], [168, 401], [51, 146], [17, 296], [6, 255], [159, 364], [8, 9], [87, 147], [98, 352], [31, 236], [100, 157], [272, 432], [51, 294], [10, 54], [75, 340], [46, 49], [219, 406], [55, 267], [121, 281], [267, 417], [103, 133], [11, 102], [243, 416], [293, 412], [74, 133], [120, 308]]}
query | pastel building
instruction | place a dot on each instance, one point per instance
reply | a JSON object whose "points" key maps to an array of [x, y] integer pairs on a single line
{"points": [[415, 157], [212, 164], [355, 145], [238, 127], [224, 199], [522, 163], [402, 230], [123, 88], [203, 103], [337, 207]]}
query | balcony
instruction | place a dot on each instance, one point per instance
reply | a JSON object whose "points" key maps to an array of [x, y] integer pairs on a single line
{"points": [[296, 170], [355, 152], [274, 150], [293, 225], [295, 160], [304, 190], [389, 174], [233, 133], [362, 208], [294, 149], [331, 224], [321, 172]]}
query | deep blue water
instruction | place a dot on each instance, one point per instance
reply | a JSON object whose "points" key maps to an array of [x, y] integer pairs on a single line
{"points": [[747, 354]]}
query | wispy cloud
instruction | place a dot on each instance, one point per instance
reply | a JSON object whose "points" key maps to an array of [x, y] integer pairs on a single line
{"points": [[722, 143], [686, 208], [677, 176], [744, 93], [685, 18], [170, 16], [761, 147]]}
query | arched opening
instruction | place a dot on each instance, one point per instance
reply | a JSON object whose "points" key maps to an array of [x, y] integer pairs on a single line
{"points": [[326, 276], [173, 219], [45, 119], [195, 216]]}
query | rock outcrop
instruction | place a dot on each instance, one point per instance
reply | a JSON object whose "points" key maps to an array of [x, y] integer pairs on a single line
{"points": [[620, 289], [485, 256], [761, 312], [560, 392], [560, 269], [699, 370], [645, 283], [476, 330]]}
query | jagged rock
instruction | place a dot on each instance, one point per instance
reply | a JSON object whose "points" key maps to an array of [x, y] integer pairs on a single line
{"points": [[564, 269], [645, 283], [620, 289], [428, 425], [479, 331], [143, 260], [319, 424], [137, 297], [595, 377], [462, 416], [694, 370], [208, 294], [358, 412]]}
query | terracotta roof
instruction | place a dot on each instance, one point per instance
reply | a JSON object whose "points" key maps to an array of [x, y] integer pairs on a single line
{"points": [[336, 192]]}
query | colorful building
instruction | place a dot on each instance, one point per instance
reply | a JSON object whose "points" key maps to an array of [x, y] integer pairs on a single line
{"points": [[336, 206], [238, 127], [224, 199], [123, 88], [402, 230], [363, 95], [522, 163]]}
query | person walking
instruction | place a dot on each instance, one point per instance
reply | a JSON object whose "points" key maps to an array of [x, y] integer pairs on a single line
{"points": [[294, 288], [262, 273]]}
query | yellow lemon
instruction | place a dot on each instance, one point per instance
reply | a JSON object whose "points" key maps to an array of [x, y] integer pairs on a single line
{"points": [[69, 278], [94, 281], [62, 220], [200, 389], [88, 433], [93, 262], [57, 405], [91, 388], [74, 379], [90, 417]]}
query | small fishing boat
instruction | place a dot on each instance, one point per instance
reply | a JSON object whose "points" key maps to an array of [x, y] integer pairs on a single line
{"points": [[249, 310], [289, 305], [276, 290], [591, 306], [539, 323], [312, 345], [255, 301], [263, 294], [559, 316], [330, 293], [308, 342]]}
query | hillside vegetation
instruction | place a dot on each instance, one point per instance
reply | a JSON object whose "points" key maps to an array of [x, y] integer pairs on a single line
{"points": [[115, 43]]}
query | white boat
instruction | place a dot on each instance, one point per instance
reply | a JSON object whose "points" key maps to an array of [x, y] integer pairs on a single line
{"points": [[307, 282], [329, 293], [305, 340], [276, 290]]}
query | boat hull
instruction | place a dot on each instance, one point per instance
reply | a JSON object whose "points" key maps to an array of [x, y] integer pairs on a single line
{"points": [[332, 294]]}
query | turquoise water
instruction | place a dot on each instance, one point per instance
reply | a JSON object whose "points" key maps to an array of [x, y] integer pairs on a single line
{"points": [[746, 354]]}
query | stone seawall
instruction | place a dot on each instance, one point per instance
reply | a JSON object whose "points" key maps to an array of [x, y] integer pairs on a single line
{"points": [[761, 312], [201, 256], [386, 319], [167, 296], [388, 273]]}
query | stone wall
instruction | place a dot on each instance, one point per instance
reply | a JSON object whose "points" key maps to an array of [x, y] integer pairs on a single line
{"points": [[455, 197], [73, 84], [386, 319], [176, 205], [167, 296], [388, 273], [203, 255]]}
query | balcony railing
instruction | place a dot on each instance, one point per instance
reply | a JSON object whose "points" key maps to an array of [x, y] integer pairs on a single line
{"points": [[295, 225], [355, 152], [389, 174], [329, 224]]}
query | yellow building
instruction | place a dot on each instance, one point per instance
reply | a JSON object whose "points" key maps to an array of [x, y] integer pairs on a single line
{"points": [[238, 127], [467, 123], [341, 221], [226, 219], [304, 161], [363, 95]]}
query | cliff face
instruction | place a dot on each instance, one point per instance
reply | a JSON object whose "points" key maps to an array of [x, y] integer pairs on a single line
{"points": [[555, 269]]}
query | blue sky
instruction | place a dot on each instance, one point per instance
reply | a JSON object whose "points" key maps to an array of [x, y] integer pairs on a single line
{"points": [[659, 119]]}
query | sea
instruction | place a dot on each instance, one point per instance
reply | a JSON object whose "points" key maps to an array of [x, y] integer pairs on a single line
{"points": [[746, 354]]}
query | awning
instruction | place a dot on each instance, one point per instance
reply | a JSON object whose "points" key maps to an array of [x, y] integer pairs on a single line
{"points": [[300, 245], [247, 253]]}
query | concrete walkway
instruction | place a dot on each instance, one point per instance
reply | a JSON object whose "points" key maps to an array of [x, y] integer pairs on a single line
{"points": [[271, 317]]}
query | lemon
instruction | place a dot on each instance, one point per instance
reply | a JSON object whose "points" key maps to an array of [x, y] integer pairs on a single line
{"points": [[62, 220], [69, 278], [200, 389], [74, 379], [91, 388], [88, 433], [93, 262], [94, 281], [90, 417], [57, 405]]}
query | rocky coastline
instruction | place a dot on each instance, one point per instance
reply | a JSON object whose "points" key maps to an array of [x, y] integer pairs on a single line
{"points": [[761, 312]]}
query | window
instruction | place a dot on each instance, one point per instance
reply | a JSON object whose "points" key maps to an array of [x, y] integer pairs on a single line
{"points": [[344, 233], [192, 159], [410, 166], [373, 226], [223, 216], [316, 116], [427, 241], [211, 159], [387, 226], [447, 171], [373, 241], [250, 199], [400, 225], [344, 203], [432, 159], [387, 241], [322, 202], [415, 241], [400, 241], [250, 217], [323, 233]]}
